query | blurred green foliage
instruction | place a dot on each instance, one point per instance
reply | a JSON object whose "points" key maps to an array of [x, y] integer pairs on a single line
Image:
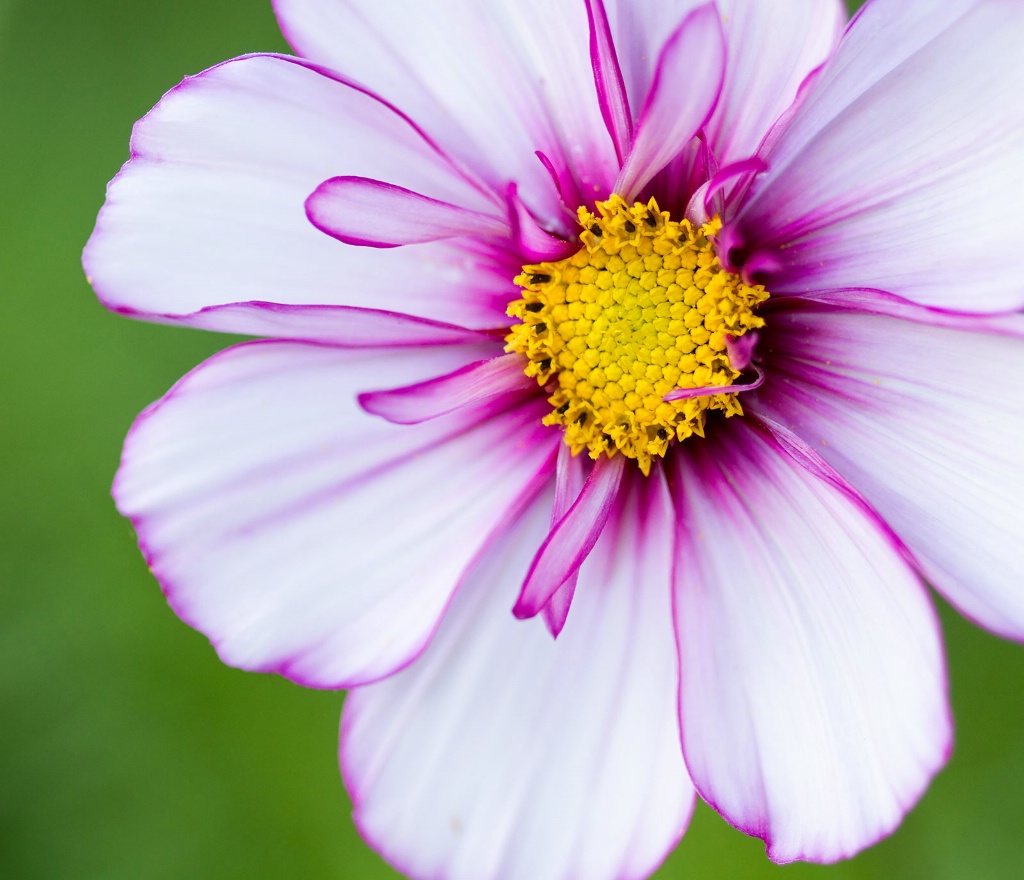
{"points": [[127, 750]]}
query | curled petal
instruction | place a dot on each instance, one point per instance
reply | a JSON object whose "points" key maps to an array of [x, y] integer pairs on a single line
{"points": [[570, 478], [683, 95], [474, 383], [572, 539], [370, 213]]}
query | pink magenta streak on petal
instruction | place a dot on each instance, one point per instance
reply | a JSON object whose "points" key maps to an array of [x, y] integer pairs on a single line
{"points": [[344, 326], [534, 244], [611, 90], [473, 383], [570, 477], [371, 213], [684, 93], [571, 541], [880, 302], [567, 188]]}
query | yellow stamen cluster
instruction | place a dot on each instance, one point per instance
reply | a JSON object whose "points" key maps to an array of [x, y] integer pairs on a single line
{"points": [[643, 308]]}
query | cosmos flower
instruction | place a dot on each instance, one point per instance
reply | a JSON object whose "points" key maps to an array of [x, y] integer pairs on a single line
{"points": [[632, 366]]}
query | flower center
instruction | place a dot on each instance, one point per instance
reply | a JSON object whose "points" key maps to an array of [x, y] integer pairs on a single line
{"points": [[642, 310]]}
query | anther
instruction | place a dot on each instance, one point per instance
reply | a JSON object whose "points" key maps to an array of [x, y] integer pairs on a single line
{"points": [[534, 307], [650, 221], [582, 420], [545, 365], [540, 327], [595, 230], [539, 279], [630, 228]]}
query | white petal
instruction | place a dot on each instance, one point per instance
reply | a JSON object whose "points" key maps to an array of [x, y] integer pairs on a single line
{"points": [[304, 536], [211, 208], [812, 699], [902, 170], [491, 82], [507, 755], [926, 421]]}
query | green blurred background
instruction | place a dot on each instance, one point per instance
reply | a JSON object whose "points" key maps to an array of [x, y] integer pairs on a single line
{"points": [[127, 751]]}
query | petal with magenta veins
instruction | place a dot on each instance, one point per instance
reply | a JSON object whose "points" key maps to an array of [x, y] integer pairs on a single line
{"points": [[922, 413], [503, 753], [490, 82], [924, 204], [304, 536], [209, 212], [813, 694]]}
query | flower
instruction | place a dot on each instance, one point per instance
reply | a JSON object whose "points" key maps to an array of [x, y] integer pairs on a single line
{"points": [[688, 328]]}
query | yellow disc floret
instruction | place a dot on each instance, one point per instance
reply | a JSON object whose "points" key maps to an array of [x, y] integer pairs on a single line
{"points": [[642, 309]]}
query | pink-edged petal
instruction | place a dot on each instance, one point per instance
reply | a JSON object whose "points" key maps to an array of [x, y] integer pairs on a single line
{"points": [[813, 696], [570, 478], [372, 213], [574, 536], [505, 754], [474, 383], [611, 90], [682, 96], [925, 417], [337, 325], [902, 168], [304, 536], [210, 210], [491, 82]]}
